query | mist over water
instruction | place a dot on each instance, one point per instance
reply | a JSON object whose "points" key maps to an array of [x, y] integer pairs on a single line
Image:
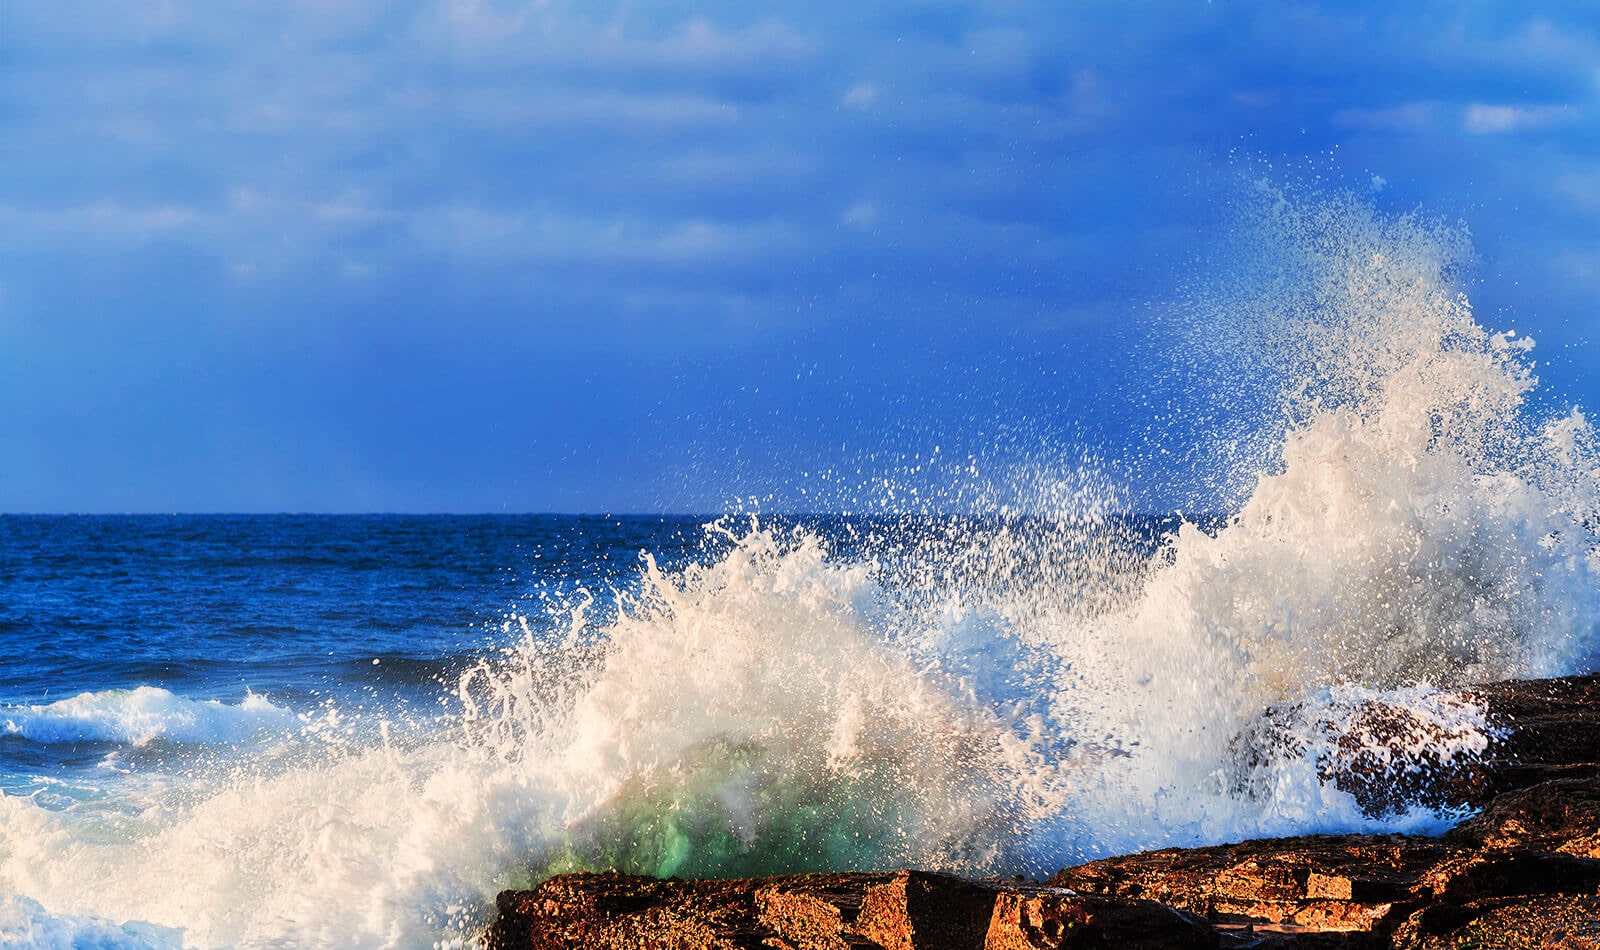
{"points": [[1042, 677]]}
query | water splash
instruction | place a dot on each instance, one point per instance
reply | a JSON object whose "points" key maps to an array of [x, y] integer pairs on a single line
{"points": [[1039, 679], [755, 715]]}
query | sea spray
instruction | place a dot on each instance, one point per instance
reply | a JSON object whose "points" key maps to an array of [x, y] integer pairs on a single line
{"points": [[751, 716], [1411, 523], [1415, 521], [1013, 677]]}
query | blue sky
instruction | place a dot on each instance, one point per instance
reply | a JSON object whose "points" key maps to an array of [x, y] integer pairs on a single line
{"points": [[467, 255]]}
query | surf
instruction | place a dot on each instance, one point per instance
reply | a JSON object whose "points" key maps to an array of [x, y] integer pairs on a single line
{"points": [[970, 685]]}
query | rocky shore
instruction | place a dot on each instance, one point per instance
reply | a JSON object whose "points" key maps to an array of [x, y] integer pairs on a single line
{"points": [[1524, 871]]}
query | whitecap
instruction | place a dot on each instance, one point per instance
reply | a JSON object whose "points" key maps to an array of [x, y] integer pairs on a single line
{"points": [[142, 715]]}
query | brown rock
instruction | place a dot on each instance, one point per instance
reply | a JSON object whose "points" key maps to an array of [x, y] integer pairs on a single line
{"points": [[904, 911], [1382, 883], [1545, 923], [1551, 727], [1320, 882], [1558, 815], [1524, 872], [1385, 755], [1509, 873], [1031, 918], [615, 910], [1388, 763]]}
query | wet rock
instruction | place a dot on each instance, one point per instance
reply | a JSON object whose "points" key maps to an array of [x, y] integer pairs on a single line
{"points": [[1559, 815], [904, 911], [1322, 883], [1549, 732], [1390, 757], [1547, 922], [1511, 872], [595, 910]]}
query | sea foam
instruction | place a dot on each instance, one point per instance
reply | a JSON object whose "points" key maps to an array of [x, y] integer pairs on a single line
{"points": [[143, 715], [25, 925]]}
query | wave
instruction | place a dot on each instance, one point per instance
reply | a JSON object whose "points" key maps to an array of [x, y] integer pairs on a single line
{"points": [[143, 715], [1007, 691]]}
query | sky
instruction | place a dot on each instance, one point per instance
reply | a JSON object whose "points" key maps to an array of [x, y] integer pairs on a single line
{"points": [[472, 255]]}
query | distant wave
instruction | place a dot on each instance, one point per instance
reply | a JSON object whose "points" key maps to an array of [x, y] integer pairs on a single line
{"points": [[142, 715]]}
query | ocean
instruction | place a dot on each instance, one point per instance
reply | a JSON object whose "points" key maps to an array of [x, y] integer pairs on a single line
{"points": [[282, 730]]}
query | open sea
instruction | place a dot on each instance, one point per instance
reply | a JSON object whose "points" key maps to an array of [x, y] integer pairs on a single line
{"points": [[320, 731]]}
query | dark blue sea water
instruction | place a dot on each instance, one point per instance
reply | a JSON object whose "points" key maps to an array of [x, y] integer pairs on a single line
{"points": [[290, 605]]}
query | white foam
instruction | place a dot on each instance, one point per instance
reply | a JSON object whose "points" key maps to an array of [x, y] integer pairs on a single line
{"points": [[142, 715], [26, 925]]}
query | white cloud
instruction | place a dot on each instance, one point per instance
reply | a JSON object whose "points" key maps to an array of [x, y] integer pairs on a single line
{"points": [[105, 221], [862, 215], [701, 41], [554, 237], [1582, 267], [1085, 106], [590, 40], [690, 241], [479, 229], [351, 207], [863, 95], [500, 108], [472, 23], [706, 166], [143, 220], [1543, 42], [1004, 51], [1486, 119]]}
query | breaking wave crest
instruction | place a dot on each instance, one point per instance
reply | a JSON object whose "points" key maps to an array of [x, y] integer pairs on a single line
{"points": [[1010, 689]]}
